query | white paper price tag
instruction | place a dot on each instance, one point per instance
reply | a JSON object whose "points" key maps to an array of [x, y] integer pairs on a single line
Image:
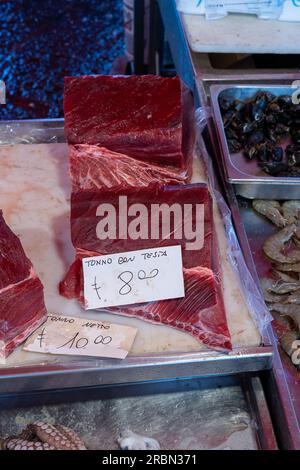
{"points": [[77, 336], [133, 277]]}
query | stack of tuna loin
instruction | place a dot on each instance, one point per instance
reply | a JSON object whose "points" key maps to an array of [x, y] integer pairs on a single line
{"points": [[133, 136], [22, 307]]}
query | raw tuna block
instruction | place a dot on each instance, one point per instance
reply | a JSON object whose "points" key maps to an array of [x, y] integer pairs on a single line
{"points": [[201, 312], [131, 144], [141, 116], [22, 307]]}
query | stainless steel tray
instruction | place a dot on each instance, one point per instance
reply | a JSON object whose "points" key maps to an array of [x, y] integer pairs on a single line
{"points": [[249, 180], [132, 369], [283, 388], [215, 413]]}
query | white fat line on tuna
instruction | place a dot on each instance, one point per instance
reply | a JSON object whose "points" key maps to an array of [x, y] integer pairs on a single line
{"points": [[32, 275], [166, 221]]}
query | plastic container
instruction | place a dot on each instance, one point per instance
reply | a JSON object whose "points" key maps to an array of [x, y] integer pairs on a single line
{"points": [[216, 9]]}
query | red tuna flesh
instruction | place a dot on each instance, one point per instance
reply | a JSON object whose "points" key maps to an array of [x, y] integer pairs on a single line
{"points": [[191, 203], [141, 116], [22, 307], [201, 312]]}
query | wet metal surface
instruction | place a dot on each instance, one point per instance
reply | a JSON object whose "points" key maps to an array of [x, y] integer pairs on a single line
{"points": [[258, 229], [191, 416]]}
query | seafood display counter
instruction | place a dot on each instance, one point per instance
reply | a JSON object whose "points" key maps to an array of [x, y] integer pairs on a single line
{"points": [[42, 218], [226, 402]]}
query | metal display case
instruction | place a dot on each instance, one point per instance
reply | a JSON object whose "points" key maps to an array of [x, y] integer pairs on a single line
{"points": [[251, 383], [75, 372], [282, 383]]}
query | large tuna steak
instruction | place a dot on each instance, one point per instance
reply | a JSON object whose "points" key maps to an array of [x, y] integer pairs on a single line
{"points": [[201, 312]]}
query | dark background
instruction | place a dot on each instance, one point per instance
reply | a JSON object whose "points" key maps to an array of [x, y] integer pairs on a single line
{"points": [[41, 41]]}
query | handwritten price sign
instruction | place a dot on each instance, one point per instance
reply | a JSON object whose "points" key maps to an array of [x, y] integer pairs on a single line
{"points": [[133, 277], [77, 336]]}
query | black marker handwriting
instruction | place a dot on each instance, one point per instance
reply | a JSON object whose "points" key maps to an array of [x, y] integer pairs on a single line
{"points": [[81, 343], [126, 288], [96, 288], [41, 337], [142, 274]]}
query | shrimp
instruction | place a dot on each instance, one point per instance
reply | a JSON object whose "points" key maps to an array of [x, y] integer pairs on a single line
{"points": [[272, 298], [290, 310], [293, 298], [283, 276], [289, 267], [287, 340], [274, 244], [278, 286], [271, 210], [275, 291], [290, 210], [296, 237]]}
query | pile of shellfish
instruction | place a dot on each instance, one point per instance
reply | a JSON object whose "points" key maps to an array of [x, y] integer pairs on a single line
{"points": [[261, 128]]}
